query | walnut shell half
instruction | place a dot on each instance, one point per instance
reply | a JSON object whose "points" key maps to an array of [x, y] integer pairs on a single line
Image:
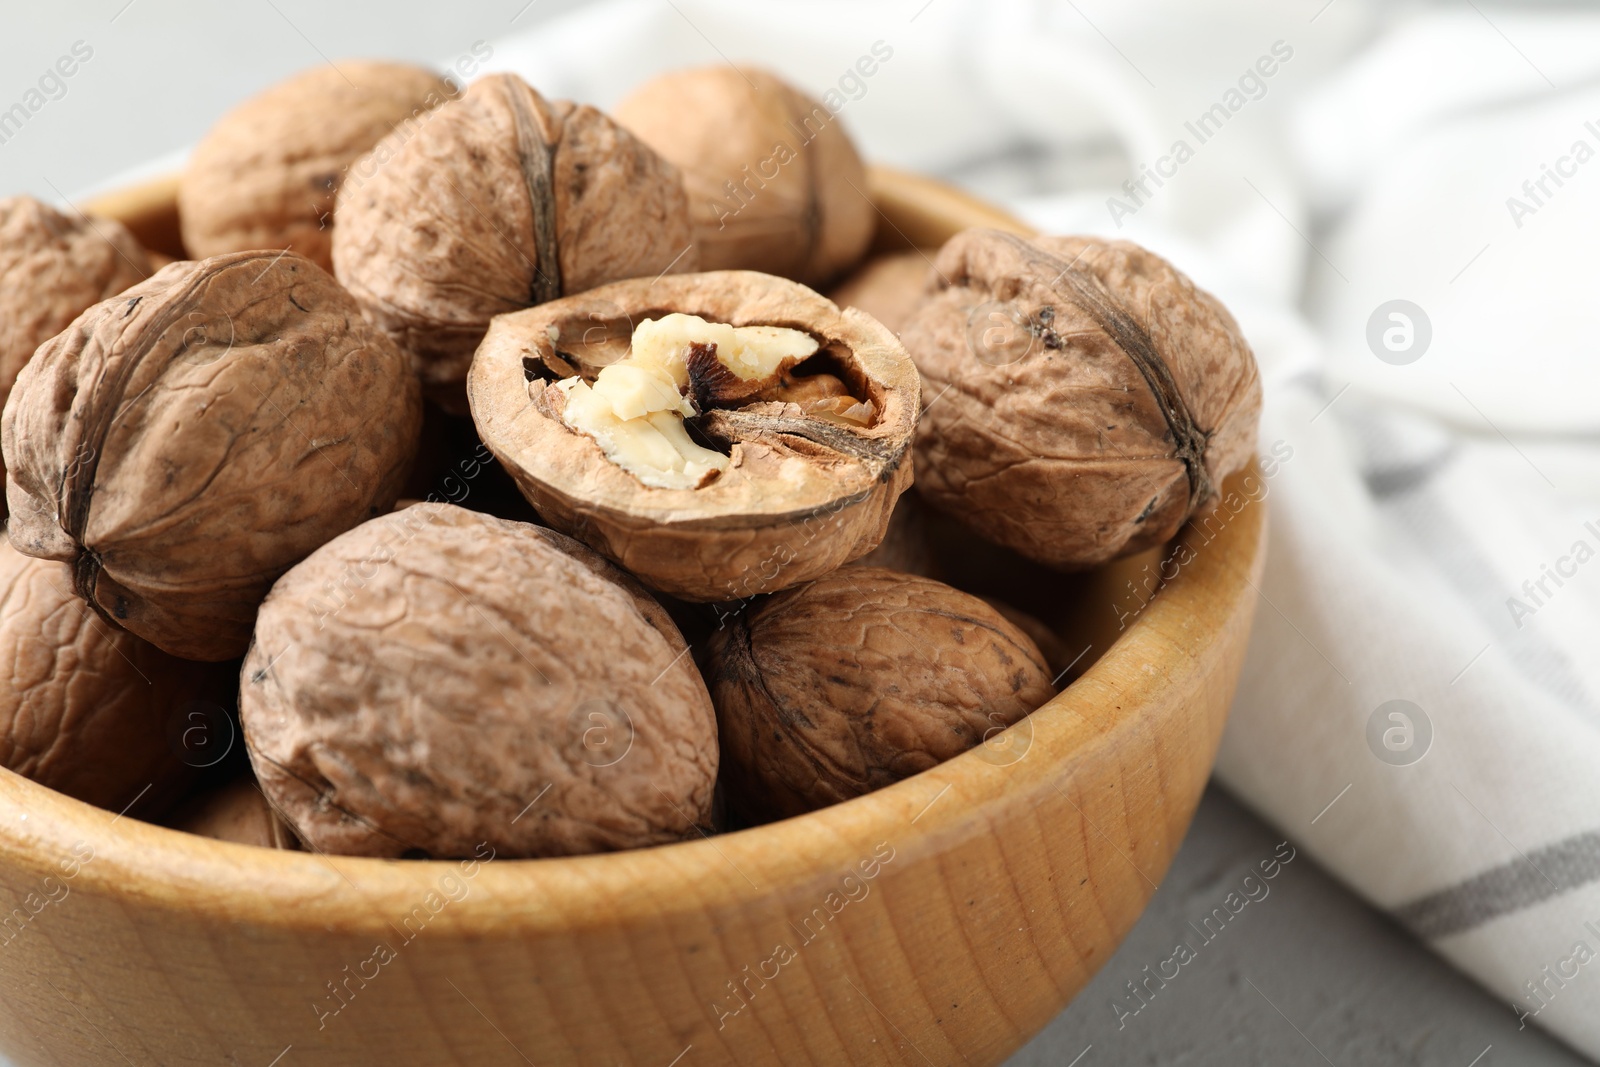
{"points": [[773, 180], [266, 174], [857, 680], [91, 711], [437, 679], [501, 200], [800, 494], [1087, 398], [184, 443]]}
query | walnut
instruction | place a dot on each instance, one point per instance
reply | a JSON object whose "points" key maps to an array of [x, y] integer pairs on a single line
{"points": [[717, 466], [266, 174], [87, 709], [1084, 398], [436, 679], [1054, 650], [774, 182], [500, 201], [857, 680], [236, 811], [887, 287], [184, 443], [52, 267]]}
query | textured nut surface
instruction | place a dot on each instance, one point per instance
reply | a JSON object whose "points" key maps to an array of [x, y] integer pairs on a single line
{"points": [[85, 708], [887, 287], [181, 445], [500, 201], [800, 496], [857, 680], [1055, 652], [52, 267], [1090, 397], [236, 812], [797, 203], [266, 174], [436, 679]]}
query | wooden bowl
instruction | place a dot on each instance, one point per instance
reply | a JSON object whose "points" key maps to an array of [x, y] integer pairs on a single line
{"points": [[945, 919]]}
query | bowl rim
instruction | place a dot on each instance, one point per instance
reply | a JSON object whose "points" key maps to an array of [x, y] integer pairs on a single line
{"points": [[170, 870]]}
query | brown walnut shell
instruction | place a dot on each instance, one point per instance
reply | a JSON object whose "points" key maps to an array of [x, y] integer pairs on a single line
{"points": [[52, 267], [1084, 397], [801, 495], [92, 711], [857, 680], [502, 200], [774, 182], [185, 443], [266, 174], [887, 287], [1054, 650], [436, 679]]}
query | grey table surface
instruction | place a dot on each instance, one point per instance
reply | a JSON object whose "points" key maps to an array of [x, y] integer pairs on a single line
{"points": [[1306, 975]]}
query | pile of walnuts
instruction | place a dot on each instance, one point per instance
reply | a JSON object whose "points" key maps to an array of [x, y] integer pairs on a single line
{"points": [[499, 485]]}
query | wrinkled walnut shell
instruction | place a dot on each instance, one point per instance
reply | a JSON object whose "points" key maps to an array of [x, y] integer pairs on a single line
{"points": [[801, 497], [1084, 397], [437, 678], [857, 680], [1055, 652], [500, 201], [183, 444], [797, 205], [887, 287], [87, 709], [52, 267], [266, 174]]}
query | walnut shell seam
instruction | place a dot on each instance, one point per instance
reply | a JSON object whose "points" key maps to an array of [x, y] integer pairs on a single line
{"points": [[1135, 342], [538, 160], [78, 479]]}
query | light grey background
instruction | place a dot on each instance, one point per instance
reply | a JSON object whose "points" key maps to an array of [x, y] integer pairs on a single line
{"points": [[1308, 975], [164, 70]]}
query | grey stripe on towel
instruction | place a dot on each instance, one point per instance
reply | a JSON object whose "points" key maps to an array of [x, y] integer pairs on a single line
{"points": [[1521, 883]]}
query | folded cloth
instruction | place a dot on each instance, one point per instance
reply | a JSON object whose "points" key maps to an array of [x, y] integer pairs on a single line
{"points": [[1441, 543], [1396, 203]]}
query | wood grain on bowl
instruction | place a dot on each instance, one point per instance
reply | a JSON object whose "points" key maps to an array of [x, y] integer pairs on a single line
{"points": [[944, 919]]}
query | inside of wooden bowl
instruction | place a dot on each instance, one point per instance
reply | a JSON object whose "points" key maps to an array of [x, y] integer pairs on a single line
{"points": [[1113, 614], [149, 210], [919, 212]]}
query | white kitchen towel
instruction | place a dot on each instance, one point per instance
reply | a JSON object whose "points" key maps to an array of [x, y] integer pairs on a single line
{"points": [[1400, 204]]}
